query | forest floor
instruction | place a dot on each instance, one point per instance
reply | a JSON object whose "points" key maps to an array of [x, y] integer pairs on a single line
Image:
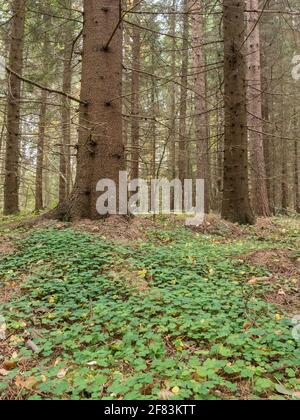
{"points": [[150, 310]]}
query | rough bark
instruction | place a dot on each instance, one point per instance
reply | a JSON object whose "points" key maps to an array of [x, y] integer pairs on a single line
{"points": [[11, 183], [200, 96], [183, 147], [39, 203], [135, 98], [173, 125], [100, 147], [236, 205], [259, 192], [297, 191], [155, 113], [65, 164]]}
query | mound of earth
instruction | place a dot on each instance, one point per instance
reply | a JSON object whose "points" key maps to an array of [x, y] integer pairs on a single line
{"points": [[284, 267], [6, 247], [277, 261]]}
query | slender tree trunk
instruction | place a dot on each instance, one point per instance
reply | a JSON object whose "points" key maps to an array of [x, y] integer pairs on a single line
{"points": [[39, 204], [259, 190], [65, 159], [154, 112], [2, 132], [200, 96], [297, 191], [100, 148], [47, 180], [183, 147], [236, 205], [135, 98], [283, 155], [11, 183], [173, 162]]}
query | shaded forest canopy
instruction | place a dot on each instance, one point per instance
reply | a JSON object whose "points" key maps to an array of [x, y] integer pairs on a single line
{"points": [[209, 90]]}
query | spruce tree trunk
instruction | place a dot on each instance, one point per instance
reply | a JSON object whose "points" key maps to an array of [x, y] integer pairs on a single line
{"points": [[173, 124], [100, 147], [259, 190], [173, 161], [135, 99], [200, 96], [39, 203], [236, 205], [154, 113], [297, 191], [64, 163], [183, 147], [11, 183]]}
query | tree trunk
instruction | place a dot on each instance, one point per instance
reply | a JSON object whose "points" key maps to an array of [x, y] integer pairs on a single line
{"points": [[236, 205], [173, 98], [297, 191], [283, 154], [153, 123], [135, 98], [65, 163], [39, 204], [200, 96], [100, 148], [259, 190], [11, 183], [183, 148]]}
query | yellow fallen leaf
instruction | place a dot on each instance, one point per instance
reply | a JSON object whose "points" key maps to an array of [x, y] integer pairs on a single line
{"points": [[15, 340], [278, 317], [175, 390], [142, 273], [52, 299]]}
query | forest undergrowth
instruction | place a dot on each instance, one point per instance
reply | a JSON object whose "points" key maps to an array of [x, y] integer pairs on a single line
{"points": [[153, 311]]}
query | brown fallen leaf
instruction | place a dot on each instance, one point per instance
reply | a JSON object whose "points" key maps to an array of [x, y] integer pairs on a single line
{"points": [[247, 325], [28, 383], [281, 292], [252, 281], [165, 395], [296, 394], [9, 365]]}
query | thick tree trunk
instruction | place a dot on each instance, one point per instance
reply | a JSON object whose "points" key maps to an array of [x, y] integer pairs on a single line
{"points": [[200, 96], [100, 148], [236, 205], [39, 203], [135, 98], [183, 147], [11, 184], [65, 164], [259, 190]]}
